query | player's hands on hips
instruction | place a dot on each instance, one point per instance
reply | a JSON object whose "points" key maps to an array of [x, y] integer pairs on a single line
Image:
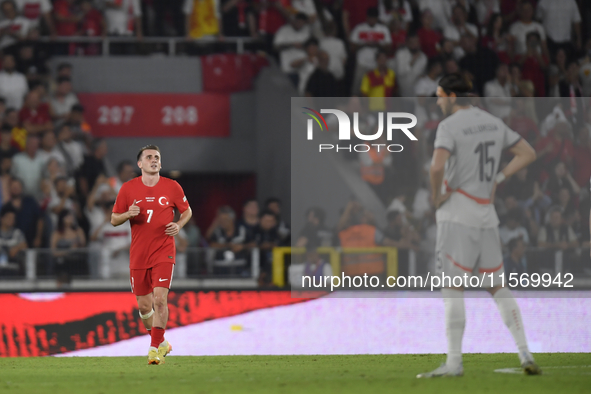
{"points": [[172, 229], [441, 199], [133, 210]]}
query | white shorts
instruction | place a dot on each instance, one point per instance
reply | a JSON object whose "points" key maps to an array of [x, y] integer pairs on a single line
{"points": [[461, 249]]}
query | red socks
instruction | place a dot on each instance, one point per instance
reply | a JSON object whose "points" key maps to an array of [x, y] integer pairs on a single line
{"points": [[157, 336]]}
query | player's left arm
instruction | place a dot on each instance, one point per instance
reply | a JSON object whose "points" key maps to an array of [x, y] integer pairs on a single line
{"points": [[436, 173], [181, 204], [173, 228]]}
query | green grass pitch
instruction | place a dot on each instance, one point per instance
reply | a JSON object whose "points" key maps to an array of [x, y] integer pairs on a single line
{"points": [[563, 372]]}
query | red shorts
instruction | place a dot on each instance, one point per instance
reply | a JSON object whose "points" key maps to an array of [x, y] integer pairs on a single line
{"points": [[143, 281]]}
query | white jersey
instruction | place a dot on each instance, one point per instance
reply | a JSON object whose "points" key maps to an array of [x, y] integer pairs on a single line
{"points": [[475, 140]]}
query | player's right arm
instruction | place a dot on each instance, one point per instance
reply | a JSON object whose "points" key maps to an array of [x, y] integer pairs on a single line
{"points": [[118, 219], [524, 155]]}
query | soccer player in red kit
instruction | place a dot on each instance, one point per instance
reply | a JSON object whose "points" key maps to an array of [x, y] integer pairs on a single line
{"points": [[148, 202]]}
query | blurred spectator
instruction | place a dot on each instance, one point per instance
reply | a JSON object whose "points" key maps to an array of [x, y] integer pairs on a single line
{"points": [[63, 99], [92, 167], [31, 61], [514, 262], [19, 134], [247, 224], [429, 37], [556, 234], [172, 11], [379, 83], [523, 124], [78, 125], [13, 85], [67, 16], [582, 158], [335, 48], [557, 73], [522, 88], [450, 66], [480, 62], [486, 10], [65, 239], [307, 64], [7, 149], [322, 82], [114, 244], [315, 231], [395, 9], [98, 204], [28, 167], [565, 202], [267, 238], [534, 64], [585, 71], [272, 14], [49, 149], [273, 205], [559, 18], [555, 147], [193, 234], [525, 25], [441, 10], [51, 172], [125, 172], [13, 27], [29, 218], [409, 64], [62, 199], [570, 88], [367, 39], [398, 33], [560, 178], [123, 17], [498, 93], [34, 115], [223, 236], [401, 234], [512, 228], [5, 179], [354, 13], [237, 18], [12, 243], [2, 109], [64, 69], [92, 23], [315, 267], [375, 167], [201, 18], [289, 42], [34, 10], [73, 151], [427, 85], [356, 229], [496, 38], [458, 28]]}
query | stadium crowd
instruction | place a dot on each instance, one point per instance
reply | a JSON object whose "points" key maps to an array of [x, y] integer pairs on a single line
{"points": [[57, 188]]}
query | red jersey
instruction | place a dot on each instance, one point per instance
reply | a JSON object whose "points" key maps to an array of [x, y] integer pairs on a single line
{"points": [[38, 116], [149, 244]]}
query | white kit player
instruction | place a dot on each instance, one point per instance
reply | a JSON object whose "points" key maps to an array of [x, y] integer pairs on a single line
{"points": [[468, 148]]}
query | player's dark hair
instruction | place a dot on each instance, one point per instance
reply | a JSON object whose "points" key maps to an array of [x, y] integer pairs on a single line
{"points": [[458, 84], [151, 147]]}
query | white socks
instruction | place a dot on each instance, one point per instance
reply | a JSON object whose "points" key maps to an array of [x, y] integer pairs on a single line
{"points": [[455, 321], [512, 317]]}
